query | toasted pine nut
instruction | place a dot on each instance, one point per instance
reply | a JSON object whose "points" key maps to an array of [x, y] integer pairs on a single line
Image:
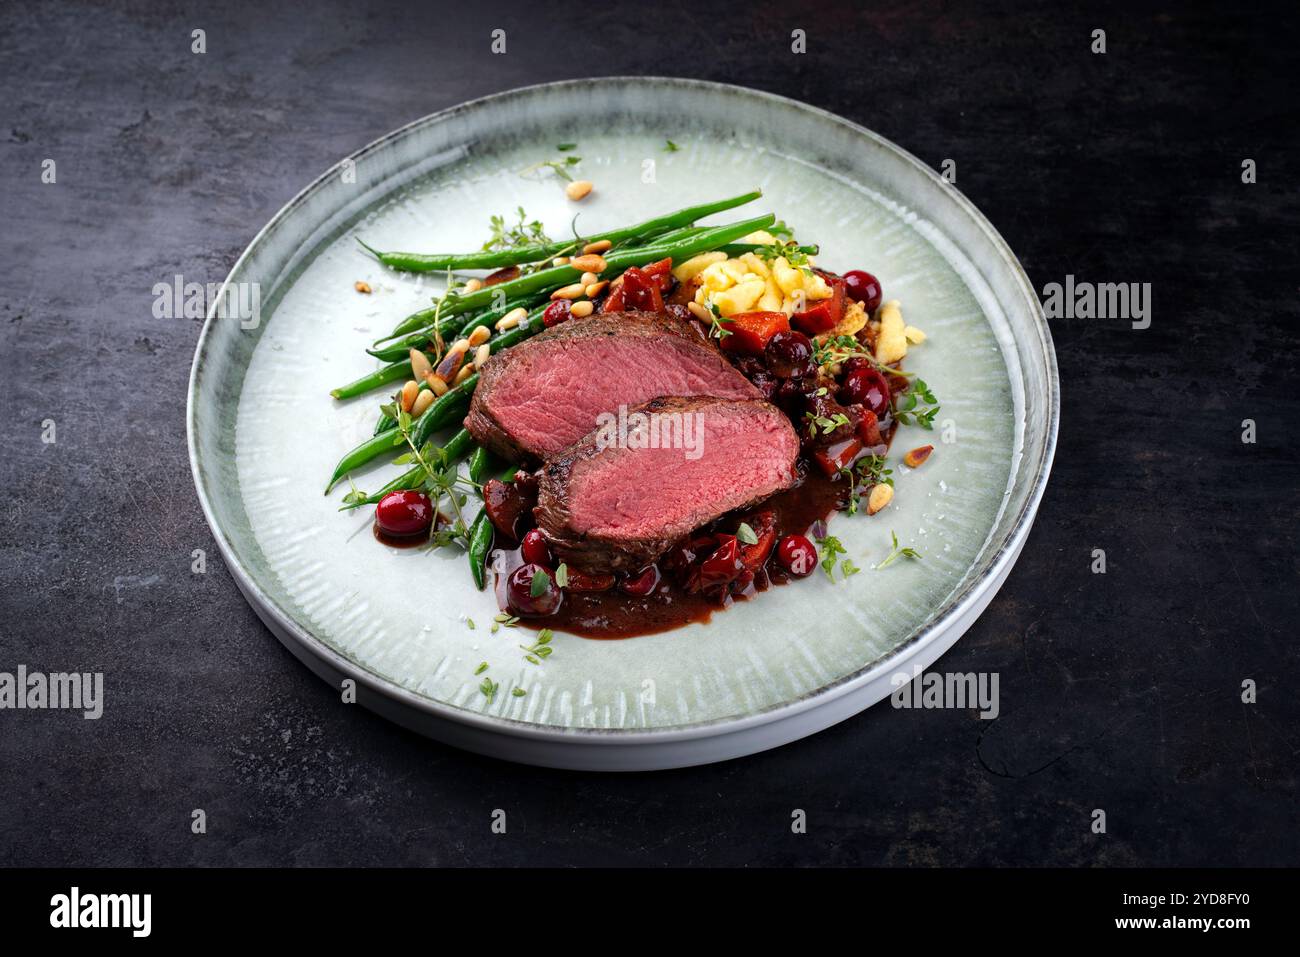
{"points": [[473, 285], [881, 495], [481, 355], [437, 385], [917, 456], [512, 318], [479, 336], [452, 360], [699, 311], [465, 372], [422, 402], [596, 288], [362, 287], [589, 263], [581, 310], [578, 189], [560, 261], [569, 292], [587, 278], [409, 392], [599, 246], [420, 364]]}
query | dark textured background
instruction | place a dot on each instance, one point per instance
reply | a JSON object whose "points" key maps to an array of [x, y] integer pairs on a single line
{"points": [[1119, 691]]}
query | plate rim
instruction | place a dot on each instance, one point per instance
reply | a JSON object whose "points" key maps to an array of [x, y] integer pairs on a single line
{"points": [[929, 633]]}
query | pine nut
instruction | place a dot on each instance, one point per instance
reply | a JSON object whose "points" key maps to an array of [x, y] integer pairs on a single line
{"points": [[409, 392], [581, 310], [596, 288], [479, 336], [589, 263], [599, 246], [420, 364], [577, 190], [917, 456], [473, 285], [560, 261], [422, 403], [700, 312], [587, 278], [361, 287], [465, 372], [482, 355], [512, 318], [569, 292], [452, 360], [437, 385], [881, 495]]}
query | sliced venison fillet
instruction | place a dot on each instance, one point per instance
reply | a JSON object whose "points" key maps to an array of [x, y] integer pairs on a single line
{"points": [[604, 507], [539, 397]]}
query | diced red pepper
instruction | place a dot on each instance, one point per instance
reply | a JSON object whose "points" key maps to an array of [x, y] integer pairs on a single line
{"points": [[751, 330], [720, 568], [636, 290], [841, 455], [825, 314], [753, 557], [661, 272], [585, 582], [869, 428]]}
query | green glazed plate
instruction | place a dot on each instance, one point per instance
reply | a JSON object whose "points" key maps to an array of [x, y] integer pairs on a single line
{"points": [[264, 432]]}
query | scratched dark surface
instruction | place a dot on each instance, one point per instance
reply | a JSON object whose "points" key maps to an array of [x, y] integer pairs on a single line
{"points": [[1119, 691]]}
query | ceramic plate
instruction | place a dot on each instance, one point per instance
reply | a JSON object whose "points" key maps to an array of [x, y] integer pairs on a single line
{"points": [[264, 433]]}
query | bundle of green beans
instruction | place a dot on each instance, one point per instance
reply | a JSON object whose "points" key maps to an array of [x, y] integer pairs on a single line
{"points": [[673, 236]]}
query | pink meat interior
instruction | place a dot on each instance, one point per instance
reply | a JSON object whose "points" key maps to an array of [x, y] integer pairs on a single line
{"points": [[637, 493], [553, 398]]}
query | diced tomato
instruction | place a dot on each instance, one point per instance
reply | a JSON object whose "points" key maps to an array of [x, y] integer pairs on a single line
{"points": [[832, 458], [825, 314], [751, 330]]}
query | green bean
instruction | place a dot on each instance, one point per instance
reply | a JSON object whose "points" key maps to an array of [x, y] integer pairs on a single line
{"points": [[480, 540], [548, 280], [458, 446], [479, 463], [384, 424], [374, 446], [373, 380], [429, 262], [447, 408], [449, 325], [480, 543], [453, 451]]}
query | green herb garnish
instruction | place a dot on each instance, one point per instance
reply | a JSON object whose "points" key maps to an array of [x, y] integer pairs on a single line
{"points": [[896, 552]]}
